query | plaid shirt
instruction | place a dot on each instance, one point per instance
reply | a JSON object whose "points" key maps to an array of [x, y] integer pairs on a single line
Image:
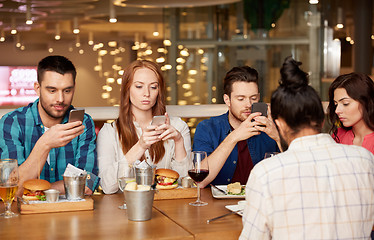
{"points": [[317, 189], [21, 129]]}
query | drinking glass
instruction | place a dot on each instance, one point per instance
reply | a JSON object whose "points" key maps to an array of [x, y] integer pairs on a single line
{"points": [[198, 173], [127, 176], [270, 154], [8, 184]]}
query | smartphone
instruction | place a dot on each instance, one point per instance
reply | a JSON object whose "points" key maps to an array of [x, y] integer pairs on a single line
{"points": [[158, 120], [260, 107], [76, 115]]}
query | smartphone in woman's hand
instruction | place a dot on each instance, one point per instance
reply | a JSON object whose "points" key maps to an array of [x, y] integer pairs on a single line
{"points": [[158, 120]]}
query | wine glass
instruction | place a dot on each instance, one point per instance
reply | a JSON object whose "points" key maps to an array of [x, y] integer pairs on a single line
{"points": [[126, 175], [198, 173], [8, 184], [270, 154]]}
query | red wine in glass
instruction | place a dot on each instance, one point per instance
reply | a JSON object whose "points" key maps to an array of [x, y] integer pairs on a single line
{"points": [[198, 172], [198, 175]]}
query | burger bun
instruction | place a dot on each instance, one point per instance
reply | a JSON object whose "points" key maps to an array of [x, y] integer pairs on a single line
{"points": [[36, 185], [167, 173]]}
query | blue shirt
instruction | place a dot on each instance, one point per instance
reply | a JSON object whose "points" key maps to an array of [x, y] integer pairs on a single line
{"points": [[211, 132], [21, 129]]}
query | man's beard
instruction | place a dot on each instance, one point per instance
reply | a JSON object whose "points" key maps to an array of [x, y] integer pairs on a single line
{"points": [[49, 113], [237, 117]]}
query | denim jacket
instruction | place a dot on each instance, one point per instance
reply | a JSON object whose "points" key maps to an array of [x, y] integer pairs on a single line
{"points": [[211, 132]]}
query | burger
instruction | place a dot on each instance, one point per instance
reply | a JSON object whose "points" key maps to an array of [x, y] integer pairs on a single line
{"points": [[34, 189], [166, 178]]}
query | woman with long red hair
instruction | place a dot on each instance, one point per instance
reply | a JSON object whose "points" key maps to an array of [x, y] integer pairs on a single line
{"points": [[131, 136]]}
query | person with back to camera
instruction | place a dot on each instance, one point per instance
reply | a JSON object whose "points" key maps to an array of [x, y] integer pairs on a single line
{"points": [[237, 140], [316, 188], [351, 107], [131, 136]]}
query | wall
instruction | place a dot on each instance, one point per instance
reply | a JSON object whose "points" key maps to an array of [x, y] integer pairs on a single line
{"points": [[88, 84]]}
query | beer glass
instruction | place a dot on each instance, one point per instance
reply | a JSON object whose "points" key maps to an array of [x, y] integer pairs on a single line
{"points": [[8, 184]]}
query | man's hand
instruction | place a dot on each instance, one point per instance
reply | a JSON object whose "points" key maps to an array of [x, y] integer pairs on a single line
{"points": [[267, 125], [246, 129], [61, 134]]}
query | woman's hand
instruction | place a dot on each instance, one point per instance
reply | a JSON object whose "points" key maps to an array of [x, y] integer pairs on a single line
{"points": [[168, 131], [150, 136]]}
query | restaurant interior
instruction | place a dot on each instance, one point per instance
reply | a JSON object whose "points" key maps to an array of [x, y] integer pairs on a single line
{"points": [[195, 43]]}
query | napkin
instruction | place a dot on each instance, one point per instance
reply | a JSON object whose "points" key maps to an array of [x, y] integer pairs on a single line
{"points": [[141, 164], [72, 171]]}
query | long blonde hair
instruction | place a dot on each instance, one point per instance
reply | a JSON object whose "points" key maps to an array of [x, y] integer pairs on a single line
{"points": [[125, 126]]}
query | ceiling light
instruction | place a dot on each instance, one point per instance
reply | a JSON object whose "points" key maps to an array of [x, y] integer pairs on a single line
{"points": [[112, 12], [313, 1], [50, 50], [112, 44], [81, 51], [160, 60], [339, 15], [75, 25], [28, 14], [155, 32], [58, 33], [77, 41], [348, 39], [2, 36], [167, 42], [90, 38], [168, 66], [110, 80], [18, 40], [14, 30]]}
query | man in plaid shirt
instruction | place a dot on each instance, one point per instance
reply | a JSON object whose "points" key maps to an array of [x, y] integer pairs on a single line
{"points": [[316, 189], [39, 135]]}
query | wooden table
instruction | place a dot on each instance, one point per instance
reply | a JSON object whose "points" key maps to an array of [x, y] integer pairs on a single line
{"points": [[193, 219], [171, 219]]}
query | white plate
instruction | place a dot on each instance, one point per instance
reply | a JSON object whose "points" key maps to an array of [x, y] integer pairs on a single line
{"points": [[236, 208], [218, 194]]}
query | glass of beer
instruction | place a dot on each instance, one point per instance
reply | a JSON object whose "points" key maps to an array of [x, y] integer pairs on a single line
{"points": [[8, 184]]}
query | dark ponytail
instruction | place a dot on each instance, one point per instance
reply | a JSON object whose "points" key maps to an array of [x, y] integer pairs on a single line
{"points": [[297, 103]]}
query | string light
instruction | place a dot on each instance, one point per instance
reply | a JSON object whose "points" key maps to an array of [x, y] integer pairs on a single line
{"points": [[28, 14], [14, 30], [75, 26], [112, 12], [2, 36], [58, 34]]}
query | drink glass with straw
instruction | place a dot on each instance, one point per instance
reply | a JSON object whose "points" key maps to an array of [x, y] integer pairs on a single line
{"points": [[8, 184]]}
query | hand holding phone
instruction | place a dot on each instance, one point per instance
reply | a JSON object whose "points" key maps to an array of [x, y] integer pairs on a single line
{"points": [[76, 115], [260, 107]]}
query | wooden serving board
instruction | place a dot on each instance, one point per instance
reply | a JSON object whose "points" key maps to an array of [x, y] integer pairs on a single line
{"points": [[61, 206], [175, 193]]}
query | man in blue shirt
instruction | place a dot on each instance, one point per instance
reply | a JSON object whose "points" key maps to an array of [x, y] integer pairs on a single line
{"points": [[39, 135], [235, 141]]}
